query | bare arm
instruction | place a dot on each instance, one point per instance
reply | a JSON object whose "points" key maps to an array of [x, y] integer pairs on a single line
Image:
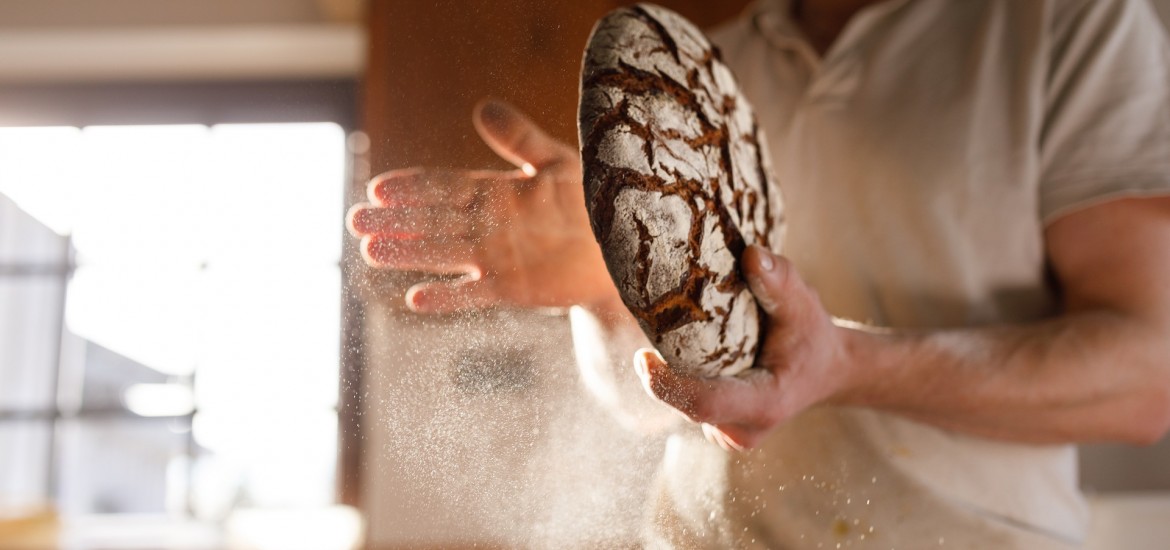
{"points": [[1098, 372]]}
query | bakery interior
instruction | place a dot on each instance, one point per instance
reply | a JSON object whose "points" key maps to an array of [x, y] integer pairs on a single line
{"points": [[192, 354]]}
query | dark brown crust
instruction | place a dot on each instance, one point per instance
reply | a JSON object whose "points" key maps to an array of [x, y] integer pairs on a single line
{"points": [[683, 304]]}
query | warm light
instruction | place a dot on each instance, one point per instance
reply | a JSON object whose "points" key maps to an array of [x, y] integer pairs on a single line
{"points": [[39, 171], [159, 400], [332, 528], [161, 203], [288, 456], [150, 316], [213, 252]]}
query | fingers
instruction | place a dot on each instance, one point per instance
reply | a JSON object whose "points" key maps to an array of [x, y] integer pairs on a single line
{"points": [[451, 297], [719, 437], [431, 255], [426, 219], [440, 221], [741, 400], [737, 438], [730, 410], [427, 187], [770, 278], [515, 137], [737, 412]]}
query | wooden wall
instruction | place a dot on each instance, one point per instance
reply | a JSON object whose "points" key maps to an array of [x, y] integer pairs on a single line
{"points": [[431, 60]]}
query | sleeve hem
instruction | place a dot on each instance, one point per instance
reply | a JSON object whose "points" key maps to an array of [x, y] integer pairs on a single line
{"points": [[1066, 197]]}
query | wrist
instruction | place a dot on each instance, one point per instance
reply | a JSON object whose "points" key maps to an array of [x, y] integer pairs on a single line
{"points": [[859, 363]]}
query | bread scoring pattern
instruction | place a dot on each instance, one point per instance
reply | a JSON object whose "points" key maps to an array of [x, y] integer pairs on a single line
{"points": [[677, 183]]}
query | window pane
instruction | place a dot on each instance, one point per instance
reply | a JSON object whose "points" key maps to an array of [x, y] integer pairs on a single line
{"points": [[38, 171], [264, 458], [24, 464], [280, 193], [205, 254], [273, 334], [150, 316], [26, 241], [109, 375], [30, 310], [117, 466], [142, 199]]}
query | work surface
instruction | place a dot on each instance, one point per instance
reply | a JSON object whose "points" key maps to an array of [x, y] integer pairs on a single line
{"points": [[1131, 521]]}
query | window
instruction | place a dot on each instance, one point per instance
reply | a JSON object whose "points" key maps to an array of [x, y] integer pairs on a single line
{"points": [[170, 317]]}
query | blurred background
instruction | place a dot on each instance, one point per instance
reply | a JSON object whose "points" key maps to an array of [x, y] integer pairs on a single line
{"points": [[191, 355], [172, 187]]}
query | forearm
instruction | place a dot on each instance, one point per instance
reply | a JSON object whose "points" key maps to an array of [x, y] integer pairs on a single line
{"points": [[1089, 376]]}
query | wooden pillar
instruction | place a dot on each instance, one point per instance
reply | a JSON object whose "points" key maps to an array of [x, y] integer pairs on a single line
{"points": [[430, 61]]}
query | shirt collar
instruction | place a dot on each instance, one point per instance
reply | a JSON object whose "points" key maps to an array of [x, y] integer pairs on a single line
{"points": [[773, 20]]}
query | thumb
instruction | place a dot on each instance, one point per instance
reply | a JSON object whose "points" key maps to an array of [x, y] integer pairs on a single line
{"points": [[772, 280], [515, 137]]}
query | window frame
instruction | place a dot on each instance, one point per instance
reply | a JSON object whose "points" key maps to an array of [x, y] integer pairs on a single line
{"points": [[206, 103]]}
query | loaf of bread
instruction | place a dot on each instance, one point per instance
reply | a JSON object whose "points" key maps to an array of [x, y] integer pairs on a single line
{"points": [[677, 184]]}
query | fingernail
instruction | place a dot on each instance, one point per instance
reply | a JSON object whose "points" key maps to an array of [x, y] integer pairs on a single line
{"points": [[640, 366], [766, 261], [366, 250], [416, 300], [351, 219], [374, 249], [494, 113], [358, 219]]}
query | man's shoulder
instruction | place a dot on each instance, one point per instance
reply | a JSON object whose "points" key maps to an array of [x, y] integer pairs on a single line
{"points": [[1073, 16]]}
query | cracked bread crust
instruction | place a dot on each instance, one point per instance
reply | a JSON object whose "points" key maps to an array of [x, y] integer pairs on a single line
{"points": [[677, 184]]}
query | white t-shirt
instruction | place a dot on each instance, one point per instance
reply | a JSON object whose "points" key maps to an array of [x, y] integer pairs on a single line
{"points": [[919, 162]]}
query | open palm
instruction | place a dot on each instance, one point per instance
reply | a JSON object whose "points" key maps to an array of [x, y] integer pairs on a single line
{"points": [[521, 237]]}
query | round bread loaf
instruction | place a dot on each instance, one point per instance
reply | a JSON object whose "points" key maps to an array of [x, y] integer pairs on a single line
{"points": [[677, 184]]}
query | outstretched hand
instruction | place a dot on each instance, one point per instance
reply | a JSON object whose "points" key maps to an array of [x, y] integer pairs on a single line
{"points": [[803, 361], [519, 237]]}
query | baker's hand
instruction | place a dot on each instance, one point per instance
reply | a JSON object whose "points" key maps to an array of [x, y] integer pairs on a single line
{"points": [[802, 362], [520, 237]]}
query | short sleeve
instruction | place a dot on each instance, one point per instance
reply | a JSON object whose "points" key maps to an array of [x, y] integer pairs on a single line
{"points": [[1106, 127]]}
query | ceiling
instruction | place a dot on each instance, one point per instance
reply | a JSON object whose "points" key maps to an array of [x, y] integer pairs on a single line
{"points": [[90, 14], [79, 41], [71, 41]]}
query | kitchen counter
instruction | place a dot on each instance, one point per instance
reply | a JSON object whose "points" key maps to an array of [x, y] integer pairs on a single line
{"points": [[1130, 521]]}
